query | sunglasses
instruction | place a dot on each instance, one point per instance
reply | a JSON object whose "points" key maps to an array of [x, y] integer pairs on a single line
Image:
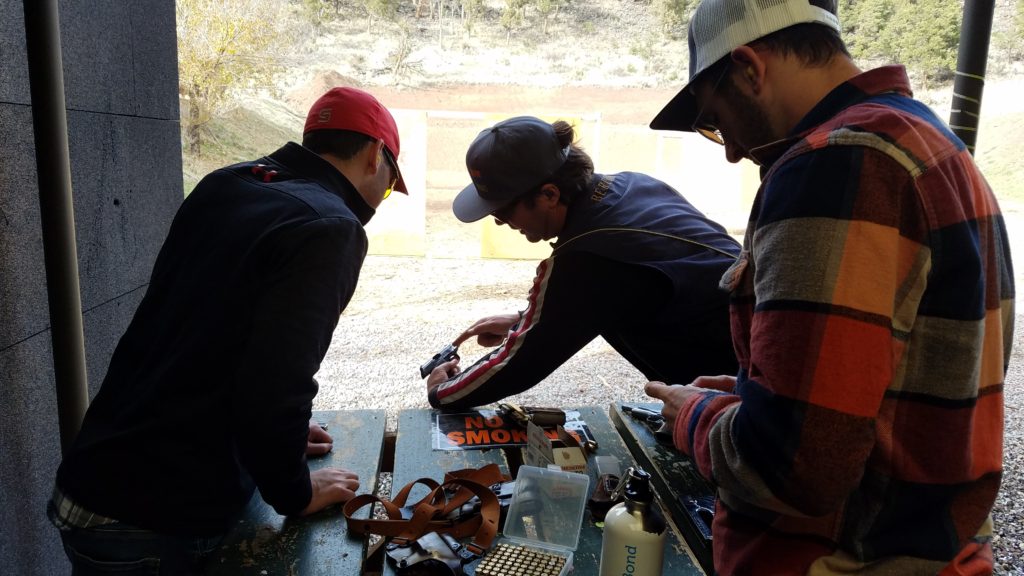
{"points": [[708, 129], [503, 214], [394, 171]]}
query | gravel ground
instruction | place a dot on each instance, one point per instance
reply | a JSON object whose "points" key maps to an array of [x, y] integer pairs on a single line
{"points": [[407, 308]]}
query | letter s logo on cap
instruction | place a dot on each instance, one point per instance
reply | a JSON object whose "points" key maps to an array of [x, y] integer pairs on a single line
{"points": [[324, 116]]}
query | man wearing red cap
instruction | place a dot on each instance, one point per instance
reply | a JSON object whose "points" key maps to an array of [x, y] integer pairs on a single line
{"points": [[209, 393]]}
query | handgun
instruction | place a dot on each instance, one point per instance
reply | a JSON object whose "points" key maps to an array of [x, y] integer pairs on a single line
{"points": [[641, 413], [654, 420], [449, 352]]}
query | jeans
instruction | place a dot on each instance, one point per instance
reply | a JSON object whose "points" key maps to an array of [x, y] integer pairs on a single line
{"points": [[131, 551]]}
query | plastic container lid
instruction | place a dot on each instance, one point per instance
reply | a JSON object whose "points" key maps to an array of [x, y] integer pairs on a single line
{"points": [[547, 508]]}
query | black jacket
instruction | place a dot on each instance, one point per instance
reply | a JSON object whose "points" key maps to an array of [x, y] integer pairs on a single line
{"points": [[636, 264], [210, 390]]}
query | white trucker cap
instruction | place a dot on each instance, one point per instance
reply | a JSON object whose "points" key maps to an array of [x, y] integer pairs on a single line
{"points": [[720, 26]]}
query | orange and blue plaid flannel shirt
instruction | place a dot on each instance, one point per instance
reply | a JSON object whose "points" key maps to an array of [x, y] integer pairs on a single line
{"points": [[872, 315]]}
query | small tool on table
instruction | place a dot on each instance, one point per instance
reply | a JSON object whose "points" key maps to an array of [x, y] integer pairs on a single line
{"points": [[543, 417]]}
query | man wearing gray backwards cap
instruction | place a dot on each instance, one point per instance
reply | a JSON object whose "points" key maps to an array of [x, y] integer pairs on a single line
{"points": [[634, 262], [209, 393], [872, 311]]}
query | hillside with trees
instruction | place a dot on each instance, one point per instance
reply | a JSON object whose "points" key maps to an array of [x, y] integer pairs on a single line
{"points": [[232, 51]]}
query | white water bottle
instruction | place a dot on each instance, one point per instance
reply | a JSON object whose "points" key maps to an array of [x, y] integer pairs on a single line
{"points": [[634, 530]]}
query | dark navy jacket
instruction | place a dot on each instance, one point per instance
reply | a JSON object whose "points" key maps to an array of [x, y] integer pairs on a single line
{"points": [[210, 389], [636, 264]]}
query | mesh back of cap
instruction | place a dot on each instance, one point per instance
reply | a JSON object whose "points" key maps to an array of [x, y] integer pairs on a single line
{"points": [[719, 26]]}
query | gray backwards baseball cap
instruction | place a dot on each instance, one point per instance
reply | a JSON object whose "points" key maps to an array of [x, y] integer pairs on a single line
{"points": [[720, 26], [506, 161]]}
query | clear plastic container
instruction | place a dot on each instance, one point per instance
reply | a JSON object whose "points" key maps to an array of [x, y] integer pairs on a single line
{"points": [[546, 514]]}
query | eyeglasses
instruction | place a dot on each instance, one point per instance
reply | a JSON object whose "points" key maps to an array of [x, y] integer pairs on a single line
{"points": [[708, 129], [503, 214], [394, 171]]}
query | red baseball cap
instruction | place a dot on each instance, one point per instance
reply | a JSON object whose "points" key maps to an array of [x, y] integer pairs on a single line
{"points": [[345, 108]]}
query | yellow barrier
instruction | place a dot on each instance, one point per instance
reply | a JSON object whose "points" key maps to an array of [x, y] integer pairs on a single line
{"points": [[432, 159]]}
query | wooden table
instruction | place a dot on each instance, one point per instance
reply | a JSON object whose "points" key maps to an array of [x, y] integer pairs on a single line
{"points": [[688, 497], [414, 459], [266, 543]]}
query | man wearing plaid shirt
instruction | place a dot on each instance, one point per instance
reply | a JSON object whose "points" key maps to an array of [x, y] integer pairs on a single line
{"points": [[872, 311]]}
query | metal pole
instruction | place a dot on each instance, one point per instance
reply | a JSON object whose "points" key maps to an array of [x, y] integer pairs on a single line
{"points": [[971, 61], [53, 167]]}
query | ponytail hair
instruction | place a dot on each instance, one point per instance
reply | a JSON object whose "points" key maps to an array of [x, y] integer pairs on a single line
{"points": [[575, 174]]}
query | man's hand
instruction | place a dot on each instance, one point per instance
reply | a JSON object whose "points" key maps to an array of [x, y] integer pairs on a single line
{"points": [[490, 331], [330, 486], [672, 396], [721, 383], [319, 442], [442, 373]]}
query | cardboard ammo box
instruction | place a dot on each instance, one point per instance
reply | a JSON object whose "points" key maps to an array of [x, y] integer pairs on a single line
{"points": [[541, 452]]}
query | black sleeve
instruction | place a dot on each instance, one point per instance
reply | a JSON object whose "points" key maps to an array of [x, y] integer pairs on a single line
{"points": [[574, 297], [309, 280]]}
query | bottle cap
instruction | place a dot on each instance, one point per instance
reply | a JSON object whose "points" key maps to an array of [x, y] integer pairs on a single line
{"points": [[636, 486]]}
